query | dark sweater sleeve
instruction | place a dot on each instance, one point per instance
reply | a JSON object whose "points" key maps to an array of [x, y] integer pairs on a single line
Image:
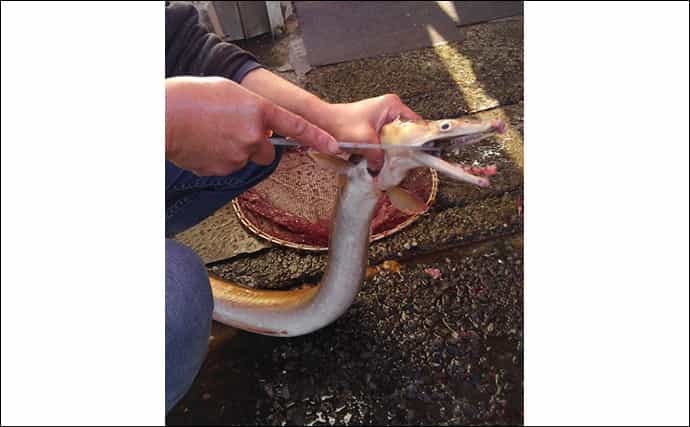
{"points": [[191, 50]]}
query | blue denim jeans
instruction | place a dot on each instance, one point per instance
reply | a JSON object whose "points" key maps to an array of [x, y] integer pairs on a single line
{"points": [[188, 300]]}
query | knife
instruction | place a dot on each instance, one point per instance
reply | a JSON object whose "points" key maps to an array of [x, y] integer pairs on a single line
{"points": [[278, 141]]}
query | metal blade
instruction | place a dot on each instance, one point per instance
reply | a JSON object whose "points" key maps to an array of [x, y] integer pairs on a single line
{"points": [[355, 145]]}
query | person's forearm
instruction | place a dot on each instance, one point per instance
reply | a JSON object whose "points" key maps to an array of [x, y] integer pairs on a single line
{"points": [[289, 96]]}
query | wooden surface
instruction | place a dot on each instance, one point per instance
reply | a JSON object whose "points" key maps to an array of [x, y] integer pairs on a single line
{"points": [[229, 16], [254, 18], [240, 19], [221, 236]]}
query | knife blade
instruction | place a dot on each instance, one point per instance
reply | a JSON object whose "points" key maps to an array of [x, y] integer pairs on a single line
{"points": [[354, 145]]}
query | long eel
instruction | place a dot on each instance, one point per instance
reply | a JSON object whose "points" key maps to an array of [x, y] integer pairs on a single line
{"points": [[300, 311]]}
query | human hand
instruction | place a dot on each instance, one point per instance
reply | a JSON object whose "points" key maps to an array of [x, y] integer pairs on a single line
{"points": [[362, 121], [215, 126]]}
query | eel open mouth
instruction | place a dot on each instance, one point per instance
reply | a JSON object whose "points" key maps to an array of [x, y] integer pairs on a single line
{"points": [[458, 172]]}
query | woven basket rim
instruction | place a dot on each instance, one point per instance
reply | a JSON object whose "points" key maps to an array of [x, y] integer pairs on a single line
{"points": [[313, 248]]}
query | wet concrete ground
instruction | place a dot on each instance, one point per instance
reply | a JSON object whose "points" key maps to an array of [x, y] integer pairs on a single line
{"points": [[413, 349]]}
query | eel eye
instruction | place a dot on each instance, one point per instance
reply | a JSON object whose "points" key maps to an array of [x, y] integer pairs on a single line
{"points": [[445, 126]]}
